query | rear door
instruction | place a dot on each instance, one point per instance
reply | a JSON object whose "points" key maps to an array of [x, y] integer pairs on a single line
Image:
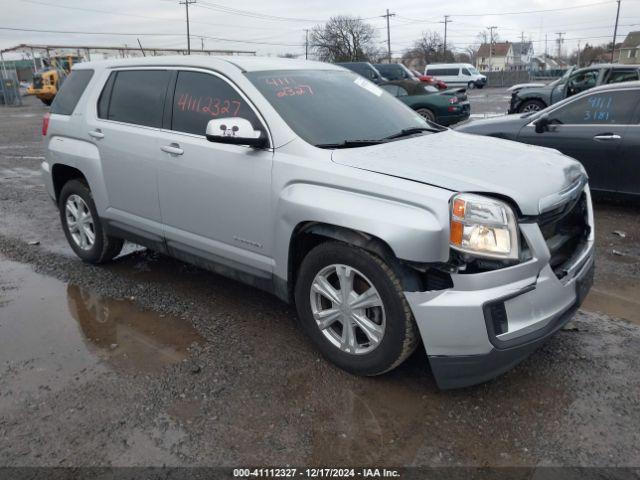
{"points": [[591, 129], [126, 132]]}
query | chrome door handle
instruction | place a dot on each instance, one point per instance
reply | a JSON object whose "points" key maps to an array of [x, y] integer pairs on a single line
{"points": [[97, 134], [173, 149], [607, 137]]}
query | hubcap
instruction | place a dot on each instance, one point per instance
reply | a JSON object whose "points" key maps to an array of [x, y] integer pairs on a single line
{"points": [[348, 309], [532, 107], [80, 222]]}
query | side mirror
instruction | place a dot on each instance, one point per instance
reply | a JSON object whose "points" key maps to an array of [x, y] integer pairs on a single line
{"points": [[542, 124], [235, 131]]}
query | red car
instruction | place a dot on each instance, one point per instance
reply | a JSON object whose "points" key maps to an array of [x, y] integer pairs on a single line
{"points": [[429, 80]]}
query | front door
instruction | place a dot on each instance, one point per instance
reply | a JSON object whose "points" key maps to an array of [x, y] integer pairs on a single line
{"points": [[214, 198], [591, 129]]}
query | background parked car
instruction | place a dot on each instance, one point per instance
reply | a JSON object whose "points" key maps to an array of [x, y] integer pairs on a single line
{"points": [[598, 127], [446, 108], [459, 74], [573, 82], [365, 69]]}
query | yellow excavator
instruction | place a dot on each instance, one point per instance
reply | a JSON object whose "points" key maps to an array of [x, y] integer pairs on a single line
{"points": [[47, 82]]}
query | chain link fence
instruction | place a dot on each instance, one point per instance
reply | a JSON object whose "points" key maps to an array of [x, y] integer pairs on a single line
{"points": [[9, 89]]}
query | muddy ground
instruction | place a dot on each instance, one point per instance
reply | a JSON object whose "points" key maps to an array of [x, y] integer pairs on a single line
{"points": [[149, 361]]}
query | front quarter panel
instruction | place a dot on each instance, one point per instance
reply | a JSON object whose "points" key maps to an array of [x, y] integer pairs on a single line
{"points": [[411, 218]]}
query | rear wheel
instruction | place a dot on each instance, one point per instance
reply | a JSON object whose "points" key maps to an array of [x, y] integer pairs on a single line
{"points": [[427, 114], [47, 101], [352, 306], [82, 226], [531, 106]]}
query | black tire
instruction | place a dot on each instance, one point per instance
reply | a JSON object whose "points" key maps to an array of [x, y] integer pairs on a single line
{"points": [[427, 114], [47, 102], [105, 248], [480, 86], [401, 334], [532, 105]]}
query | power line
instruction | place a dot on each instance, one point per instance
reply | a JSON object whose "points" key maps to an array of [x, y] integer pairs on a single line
{"points": [[497, 14], [221, 39]]}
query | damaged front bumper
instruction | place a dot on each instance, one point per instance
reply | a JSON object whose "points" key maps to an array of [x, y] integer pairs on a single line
{"points": [[488, 322]]}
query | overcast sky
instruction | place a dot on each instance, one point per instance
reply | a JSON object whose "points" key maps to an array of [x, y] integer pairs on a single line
{"points": [[277, 26]]}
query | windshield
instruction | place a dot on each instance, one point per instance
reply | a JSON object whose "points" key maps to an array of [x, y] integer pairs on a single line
{"points": [[326, 107], [564, 77], [473, 70]]}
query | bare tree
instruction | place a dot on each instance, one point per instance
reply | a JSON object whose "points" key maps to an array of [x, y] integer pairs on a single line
{"points": [[344, 39], [428, 49]]}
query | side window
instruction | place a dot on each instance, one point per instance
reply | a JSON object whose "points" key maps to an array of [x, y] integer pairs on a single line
{"points": [[466, 72], [607, 108], [402, 92], [72, 89], [582, 81], [200, 97], [137, 97], [392, 89], [619, 76]]}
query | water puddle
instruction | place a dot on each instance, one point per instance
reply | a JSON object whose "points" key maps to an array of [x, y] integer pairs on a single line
{"points": [[53, 333], [616, 296]]}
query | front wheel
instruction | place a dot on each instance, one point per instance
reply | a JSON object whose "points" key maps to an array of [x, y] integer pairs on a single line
{"points": [[352, 306], [82, 226], [471, 86], [531, 106]]}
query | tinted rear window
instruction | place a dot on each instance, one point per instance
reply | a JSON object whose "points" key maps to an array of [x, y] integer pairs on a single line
{"points": [[137, 97], [72, 89]]}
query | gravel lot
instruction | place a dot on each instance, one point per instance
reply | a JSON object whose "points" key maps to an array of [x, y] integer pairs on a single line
{"points": [[149, 361]]}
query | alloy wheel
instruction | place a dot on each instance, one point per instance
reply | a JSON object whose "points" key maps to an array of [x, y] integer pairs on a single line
{"points": [[80, 222], [348, 309]]}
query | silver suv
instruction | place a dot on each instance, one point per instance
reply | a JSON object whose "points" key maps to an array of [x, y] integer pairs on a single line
{"points": [[306, 180]]}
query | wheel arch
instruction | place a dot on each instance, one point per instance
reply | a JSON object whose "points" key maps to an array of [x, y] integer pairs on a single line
{"points": [[61, 174], [307, 235]]}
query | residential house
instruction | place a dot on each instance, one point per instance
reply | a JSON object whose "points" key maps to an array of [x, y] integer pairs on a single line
{"points": [[494, 58], [630, 49], [522, 55]]}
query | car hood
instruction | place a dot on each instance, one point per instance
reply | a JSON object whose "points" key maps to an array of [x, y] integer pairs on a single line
{"points": [[459, 162]]}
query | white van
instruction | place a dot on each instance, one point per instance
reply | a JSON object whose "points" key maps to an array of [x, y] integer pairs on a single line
{"points": [[456, 74]]}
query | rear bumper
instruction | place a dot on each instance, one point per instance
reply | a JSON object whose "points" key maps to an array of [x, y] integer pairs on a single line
{"points": [[450, 119], [488, 322]]}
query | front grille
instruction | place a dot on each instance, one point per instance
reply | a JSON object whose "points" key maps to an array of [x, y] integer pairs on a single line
{"points": [[565, 229]]}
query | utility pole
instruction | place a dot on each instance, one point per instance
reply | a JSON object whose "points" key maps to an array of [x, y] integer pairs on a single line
{"points": [[202, 43], [306, 44], [186, 4], [388, 16], [546, 47], [444, 46], [579, 53], [615, 33], [491, 29], [560, 40]]}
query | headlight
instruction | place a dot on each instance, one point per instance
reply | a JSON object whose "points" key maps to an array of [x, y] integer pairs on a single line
{"points": [[483, 227]]}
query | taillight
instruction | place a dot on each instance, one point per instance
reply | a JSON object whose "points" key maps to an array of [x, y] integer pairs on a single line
{"points": [[45, 124], [453, 100]]}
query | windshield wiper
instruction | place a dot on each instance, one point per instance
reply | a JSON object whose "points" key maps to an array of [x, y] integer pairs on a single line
{"points": [[350, 144], [411, 131]]}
